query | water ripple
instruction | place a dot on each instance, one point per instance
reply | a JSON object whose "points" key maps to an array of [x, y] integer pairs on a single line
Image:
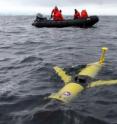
{"points": [[27, 77]]}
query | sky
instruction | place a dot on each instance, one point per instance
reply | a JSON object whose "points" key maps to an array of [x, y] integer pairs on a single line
{"points": [[31, 7]]}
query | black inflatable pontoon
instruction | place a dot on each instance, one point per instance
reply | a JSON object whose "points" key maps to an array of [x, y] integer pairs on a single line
{"points": [[82, 23]]}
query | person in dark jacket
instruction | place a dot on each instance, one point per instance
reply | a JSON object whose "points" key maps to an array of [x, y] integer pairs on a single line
{"points": [[76, 14]]}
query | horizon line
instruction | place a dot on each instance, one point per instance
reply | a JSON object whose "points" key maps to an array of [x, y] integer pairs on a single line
{"points": [[27, 14]]}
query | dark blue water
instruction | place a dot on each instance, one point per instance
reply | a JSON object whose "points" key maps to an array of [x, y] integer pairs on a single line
{"points": [[27, 57]]}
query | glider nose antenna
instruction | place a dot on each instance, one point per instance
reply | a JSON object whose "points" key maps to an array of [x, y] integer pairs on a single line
{"points": [[102, 58]]}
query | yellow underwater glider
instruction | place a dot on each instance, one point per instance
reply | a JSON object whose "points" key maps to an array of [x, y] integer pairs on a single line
{"points": [[82, 80]]}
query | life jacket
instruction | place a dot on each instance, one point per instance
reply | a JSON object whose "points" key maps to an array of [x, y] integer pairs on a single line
{"points": [[58, 16], [84, 14], [53, 13], [77, 15]]}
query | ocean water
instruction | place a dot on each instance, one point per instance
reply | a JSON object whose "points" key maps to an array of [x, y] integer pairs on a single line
{"points": [[27, 57]]}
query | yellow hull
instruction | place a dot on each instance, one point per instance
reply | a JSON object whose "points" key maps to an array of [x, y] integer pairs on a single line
{"points": [[91, 70], [68, 92]]}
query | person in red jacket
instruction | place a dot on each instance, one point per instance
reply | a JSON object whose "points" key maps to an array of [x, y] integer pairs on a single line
{"points": [[76, 14], [84, 14], [54, 12]]}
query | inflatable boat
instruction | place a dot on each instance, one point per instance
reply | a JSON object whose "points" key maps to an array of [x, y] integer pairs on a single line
{"points": [[82, 23]]}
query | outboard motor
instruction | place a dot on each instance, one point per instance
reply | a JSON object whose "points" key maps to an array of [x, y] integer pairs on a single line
{"points": [[39, 17]]}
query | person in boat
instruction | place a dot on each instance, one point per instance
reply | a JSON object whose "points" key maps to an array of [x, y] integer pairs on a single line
{"points": [[84, 14], [76, 14], [56, 14]]}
